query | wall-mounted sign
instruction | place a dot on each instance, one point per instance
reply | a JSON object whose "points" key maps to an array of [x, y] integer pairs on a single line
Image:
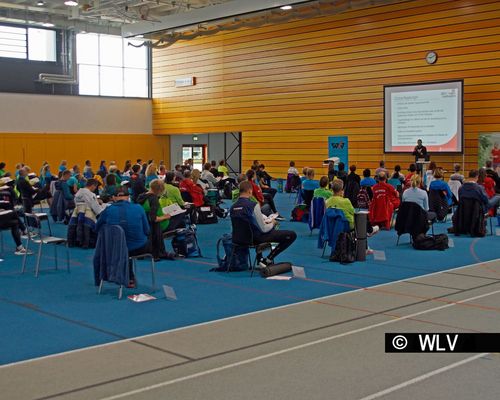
{"points": [[187, 81]]}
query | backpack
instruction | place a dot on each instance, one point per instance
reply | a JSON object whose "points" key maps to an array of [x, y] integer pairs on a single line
{"points": [[185, 244], [437, 242], [228, 190], [206, 215], [240, 258], [351, 192], [363, 198], [345, 248], [300, 213]]}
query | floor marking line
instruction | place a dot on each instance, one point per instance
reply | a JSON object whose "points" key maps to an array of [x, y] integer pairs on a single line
{"points": [[423, 377], [284, 351], [239, 316]]}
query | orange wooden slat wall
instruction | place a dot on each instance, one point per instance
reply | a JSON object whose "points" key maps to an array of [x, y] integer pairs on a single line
{"points": [[289, 86], [35, 148]]}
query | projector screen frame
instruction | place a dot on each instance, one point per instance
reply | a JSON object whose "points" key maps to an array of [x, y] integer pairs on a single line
{"points": [[423, 84]]}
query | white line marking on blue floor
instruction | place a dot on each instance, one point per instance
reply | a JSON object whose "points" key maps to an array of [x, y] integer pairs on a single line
{"points": [[239, 316], [290, 349], [451, 243]]}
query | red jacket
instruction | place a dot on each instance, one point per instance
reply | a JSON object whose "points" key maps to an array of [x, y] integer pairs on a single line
{"points": [[196, 192], [257, 193], [385, 200]]}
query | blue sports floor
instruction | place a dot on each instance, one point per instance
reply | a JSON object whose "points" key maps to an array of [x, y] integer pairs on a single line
{"points": [[59, 312]]}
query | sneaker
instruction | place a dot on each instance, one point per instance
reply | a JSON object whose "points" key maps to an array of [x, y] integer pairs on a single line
{"points": [[369, 251], [376, 230], [265, 262], [280, 218], [21, 251]]}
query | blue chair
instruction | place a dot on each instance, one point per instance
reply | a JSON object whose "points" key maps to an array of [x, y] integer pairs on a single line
{"points": [[334, 222]]}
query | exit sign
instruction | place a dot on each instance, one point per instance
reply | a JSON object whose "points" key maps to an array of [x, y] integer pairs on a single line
{"points": [[188, 81]]}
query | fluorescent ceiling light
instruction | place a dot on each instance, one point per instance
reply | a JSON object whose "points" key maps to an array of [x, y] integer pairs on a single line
{"points": [[71, 3], [48, 24], [286, 7], [40, 3]]}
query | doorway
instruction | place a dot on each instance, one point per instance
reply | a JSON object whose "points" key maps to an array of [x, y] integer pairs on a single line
{"points": [[196, 152]]}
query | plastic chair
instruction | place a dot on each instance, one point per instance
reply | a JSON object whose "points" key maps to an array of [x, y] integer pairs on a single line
{"points": [[34, 222], [242, 237], [119, 235]]}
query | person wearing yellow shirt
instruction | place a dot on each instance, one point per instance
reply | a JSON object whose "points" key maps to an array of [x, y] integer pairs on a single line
{"points": [[222, 169], [323, 190], [340, 202]]}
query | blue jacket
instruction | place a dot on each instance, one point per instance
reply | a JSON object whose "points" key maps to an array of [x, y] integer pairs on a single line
{"points": [[438, 184], [133, 220], [111, 256], [334, 222]]}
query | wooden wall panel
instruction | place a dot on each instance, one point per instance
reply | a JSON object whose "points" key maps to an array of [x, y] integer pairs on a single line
{"points": [[288, 87], [34, 148]]}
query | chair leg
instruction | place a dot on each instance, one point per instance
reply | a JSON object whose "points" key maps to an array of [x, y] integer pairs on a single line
{"points": [[252, 265], [39, 257], [233, 251], [25, 256], [67, 257], [397, 243], [491, 226], [50, 228], [100, 286], [324, 249], [134, 270], [120, 292], [153, 277], [55, 257]]}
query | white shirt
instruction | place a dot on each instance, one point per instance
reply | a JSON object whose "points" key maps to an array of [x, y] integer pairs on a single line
{"points": [[85, 196]]}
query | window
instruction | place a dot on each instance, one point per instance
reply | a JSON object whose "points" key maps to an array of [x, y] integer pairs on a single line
{"points": [[109, 66], [41, 44], [28, 43]]}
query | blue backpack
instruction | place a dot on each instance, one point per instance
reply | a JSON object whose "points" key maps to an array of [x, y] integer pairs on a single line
{"points": [[240, 258], [185, 243]]}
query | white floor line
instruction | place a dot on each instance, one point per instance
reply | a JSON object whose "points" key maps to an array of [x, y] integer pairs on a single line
{"points": [[330, 296], [290, 349], [423, 377]]}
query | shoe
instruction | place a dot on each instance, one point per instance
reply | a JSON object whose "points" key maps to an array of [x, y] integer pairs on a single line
{"points": [[369, 251], [280, 218], [264, 263], [131, 284], [21, 251], [376, 230]]}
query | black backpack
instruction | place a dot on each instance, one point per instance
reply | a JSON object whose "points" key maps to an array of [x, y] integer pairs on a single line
{"points": [[437, 242], [363, 198], [185, 243], [345, 248], [206, 215]]}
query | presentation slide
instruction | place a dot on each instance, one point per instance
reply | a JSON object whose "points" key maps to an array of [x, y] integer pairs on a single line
{"points": [[431, 112]]}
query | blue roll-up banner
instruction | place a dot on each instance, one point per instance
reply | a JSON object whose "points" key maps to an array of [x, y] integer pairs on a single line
{"points": [[338, 146]]}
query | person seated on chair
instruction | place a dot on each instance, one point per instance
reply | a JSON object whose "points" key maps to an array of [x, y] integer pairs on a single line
{"points": [[397, 174], [353, 176], [292, 170], [488, 183], [235, 195], [310, 183], [158, 220], [87, 196], [137, 183], [342, 203], [2, 169], [457, 176], [367, 179], [11, 220], [264, 180], [488, 166], [262, 198], [151, 174], [412, 170], [222, 169], [172, 192], [208, 176], [195, 191], [440, 185], [419, 196], [110, 188], [29, 194], [132, 218], [323, 190], [385, 201], [263, 232], [196, 177], [381, 168], [472, 190]]}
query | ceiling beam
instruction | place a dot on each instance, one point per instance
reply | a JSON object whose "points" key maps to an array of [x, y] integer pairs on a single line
{"points": [[206, 14]]}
